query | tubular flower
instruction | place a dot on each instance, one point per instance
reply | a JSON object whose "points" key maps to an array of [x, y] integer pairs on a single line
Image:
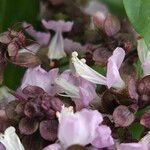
{"points": [[80, 90], [81, 128], [144, 56], [112, 79], [34, 76], [56, 47], [11, 140]]}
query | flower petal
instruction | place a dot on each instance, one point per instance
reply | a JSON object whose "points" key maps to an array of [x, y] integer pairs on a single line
{"points": [[131, 146], [34, 76], [58, 25], [11, 140], [114, 62], [144, 56], [86, 72], [104, 138], [56, 47], [78, 128], [54, 146]]}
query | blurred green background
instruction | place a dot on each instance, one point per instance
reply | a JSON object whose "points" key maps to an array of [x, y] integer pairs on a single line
{"points": [[11, 12]]}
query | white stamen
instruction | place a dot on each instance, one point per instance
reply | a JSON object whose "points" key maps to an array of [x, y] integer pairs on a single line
{"points": [[85, 71], [64, 111]]}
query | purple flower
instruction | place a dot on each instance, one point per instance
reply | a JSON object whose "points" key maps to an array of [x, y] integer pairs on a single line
{"points": [[144, 56], [81, 128], [53, 147], [41, 37], [71, 46], [56, 47], [143, 144], [39, 77], [80, 90], [112, 79], [103, 138]]}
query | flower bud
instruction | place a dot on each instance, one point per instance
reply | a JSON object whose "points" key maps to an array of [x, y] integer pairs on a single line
{"points": [[143, 89], [123, 116], [145, 120], [28, 126], [48, 129], [12, 49], [5, 38], [111, 25], [10, 111], [99, 19], [32, 110], [144, 86], [101, 55], [26, 59], [109, 102]]}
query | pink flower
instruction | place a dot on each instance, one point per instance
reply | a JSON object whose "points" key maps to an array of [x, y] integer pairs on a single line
{"points": [[39, 77], [71, 46], [53, 147], [56, 47], [143, 144], [41, 37], [112, 79], [80, 90], [81, 128]]}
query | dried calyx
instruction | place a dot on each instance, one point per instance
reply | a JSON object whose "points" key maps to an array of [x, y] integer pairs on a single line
{"points": [[35, 110]]}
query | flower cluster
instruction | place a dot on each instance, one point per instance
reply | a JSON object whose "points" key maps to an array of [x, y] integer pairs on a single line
{"points": [[87, 95]]}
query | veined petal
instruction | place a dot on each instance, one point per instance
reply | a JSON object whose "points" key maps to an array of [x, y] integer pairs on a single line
{"points": [[103, 138], [114, 62], [78, 128], [56, 47], [11, 140], [86, 72]]}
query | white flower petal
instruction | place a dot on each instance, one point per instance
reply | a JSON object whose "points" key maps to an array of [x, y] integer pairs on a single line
{"points": [[86, 72], [11, 140], [56, 47], [114, 62]]}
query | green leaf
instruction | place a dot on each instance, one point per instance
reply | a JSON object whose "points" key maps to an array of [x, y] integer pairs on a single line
{"points": [[13, 76], [115, 6], [138, 69], [139, 15], [11, 12], [136, 130], [140, 112]]}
